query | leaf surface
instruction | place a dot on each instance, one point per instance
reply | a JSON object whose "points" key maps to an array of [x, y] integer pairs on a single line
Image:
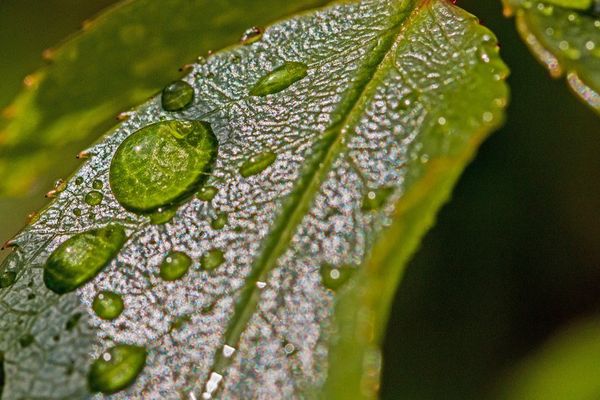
{"points": [[365, 113], [564, 35], [119, 60]]}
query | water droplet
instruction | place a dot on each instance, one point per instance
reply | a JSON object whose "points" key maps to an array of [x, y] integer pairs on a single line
{"points": [[175, 265], [77, 212], [177, 96], [97, 184], [108, 305], [261, 285], [220, 221], [252, 35], [257, 163], [228, 351], [81, 257], [207, 193], [333, 278], [7, 278], [163, 215], [212, 385], [26, 340], [116, 369], [376, 198], [279, 79], [162, 164], [78, 180], [212, 259], [93, 198], [289, 348]]}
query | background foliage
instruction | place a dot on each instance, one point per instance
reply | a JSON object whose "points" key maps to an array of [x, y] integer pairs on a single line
{"points": [[513, 259]]}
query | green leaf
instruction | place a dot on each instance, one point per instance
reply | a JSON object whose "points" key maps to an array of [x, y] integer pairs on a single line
{"points": [[564, 35], [566, 367], [323, 183], [119, 60]]}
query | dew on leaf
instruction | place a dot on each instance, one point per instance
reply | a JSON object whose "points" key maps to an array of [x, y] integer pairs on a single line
{"points": [[175, 265], [97, 184], [207, 193], [78, 180], [177, 96], [108, 305], [77, 212], [7, 278], [333, 277], [212, 259], [251, 35], [257, 163], [116, 369], [220, 221], [376, 198], [162, 164], [279, 79], [81, 257], [163, 215], [93, 198], [228, 351]]}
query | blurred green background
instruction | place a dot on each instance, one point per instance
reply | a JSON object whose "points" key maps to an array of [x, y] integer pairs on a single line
{"points": [[514, 258]]}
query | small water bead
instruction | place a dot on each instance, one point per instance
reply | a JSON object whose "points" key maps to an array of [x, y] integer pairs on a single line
{"points": [[207, 193], [77, 212], [257, 163], [212, 259], [116, 369], [220, 221], [280, 79], [78, 180], [376, 198], [162, 164], [251, 35], [81, 257], [175, 265], [26, 340], [289, 349], [228, 351], [177, 96], [7, 278], [93, 198], [97, 184], [333, 278], [108, 305], [163, 215]]}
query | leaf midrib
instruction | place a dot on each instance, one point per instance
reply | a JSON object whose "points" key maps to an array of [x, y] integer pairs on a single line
{"points": [[310, 181]]}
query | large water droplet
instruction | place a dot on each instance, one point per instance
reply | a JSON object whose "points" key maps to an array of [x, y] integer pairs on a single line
{"points": [[116, 369], [108, 305], [376, 198], [175, 265], [94, 198], [333, 277], [251, 35], [257, 163], [212, 259], [162, 164], [177, 96], [82, 257], [279, 79]]}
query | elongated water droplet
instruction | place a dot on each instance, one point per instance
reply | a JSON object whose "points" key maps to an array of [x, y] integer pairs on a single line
{"points": [[376, 198], [116, 369], [82, 257], [94, 198], [175, 265], [212, 385], [279, 79], [251, 35], [212, 259], [163, 215], [7, 278], [207, 193], [162, 164], [220, 221], [97, 184], [257, 163], [177, 96], [333, 278], [108, 305]]}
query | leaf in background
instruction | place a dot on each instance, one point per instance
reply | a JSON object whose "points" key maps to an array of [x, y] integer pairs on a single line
{"points": [[566, 367], [121, 58], [363, 116], [564, 35]]}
